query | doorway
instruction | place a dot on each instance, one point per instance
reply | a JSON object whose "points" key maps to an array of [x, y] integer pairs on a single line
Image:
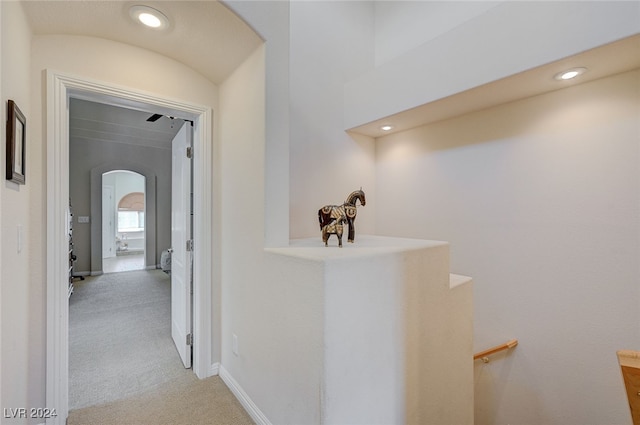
{"points": [[96, 135], [123, 221], [61, 88]]}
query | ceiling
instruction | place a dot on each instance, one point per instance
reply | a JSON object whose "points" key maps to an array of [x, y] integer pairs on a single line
{"points": [[610, 59], [196, 27], [210, 26], [111, 124]]}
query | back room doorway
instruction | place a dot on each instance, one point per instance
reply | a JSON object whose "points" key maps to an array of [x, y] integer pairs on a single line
{"points": [[123, 221], [108, 137]]}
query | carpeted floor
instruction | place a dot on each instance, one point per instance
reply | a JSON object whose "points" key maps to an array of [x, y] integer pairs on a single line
{"points": [[123, 366], [187, 402]]}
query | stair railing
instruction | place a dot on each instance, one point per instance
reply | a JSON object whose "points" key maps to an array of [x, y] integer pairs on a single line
{"points": [[484, 355]]}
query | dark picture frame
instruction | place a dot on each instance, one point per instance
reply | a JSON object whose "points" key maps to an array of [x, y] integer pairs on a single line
{"points": [[16, 144]]}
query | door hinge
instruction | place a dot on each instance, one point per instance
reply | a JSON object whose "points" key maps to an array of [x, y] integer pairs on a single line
{"points": [[190, 245], [189, 339], [189, 152]]}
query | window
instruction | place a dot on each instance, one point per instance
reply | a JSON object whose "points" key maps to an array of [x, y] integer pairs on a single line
{"points": [[131, 212], [129, 220]]}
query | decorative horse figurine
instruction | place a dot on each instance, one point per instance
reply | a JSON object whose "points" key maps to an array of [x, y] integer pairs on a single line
{"points": [[330, 213], [336, 227]]}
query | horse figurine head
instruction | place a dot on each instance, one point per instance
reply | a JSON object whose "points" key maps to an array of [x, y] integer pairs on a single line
{"points": [[357, 195]]}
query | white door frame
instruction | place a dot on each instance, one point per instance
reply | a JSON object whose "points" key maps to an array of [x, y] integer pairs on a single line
{"points": [[111, 241], [60, 87]]}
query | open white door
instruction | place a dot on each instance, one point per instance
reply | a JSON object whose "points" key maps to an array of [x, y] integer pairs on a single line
{"points": [[181, 259]]}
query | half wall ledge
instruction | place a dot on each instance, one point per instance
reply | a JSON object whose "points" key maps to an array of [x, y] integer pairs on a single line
{"points": [[392, 327]]}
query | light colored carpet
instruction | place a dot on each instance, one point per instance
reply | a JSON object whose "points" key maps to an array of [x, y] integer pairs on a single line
{"points": [[187, 402], [120, 337], [123, 263], [123, 365]]}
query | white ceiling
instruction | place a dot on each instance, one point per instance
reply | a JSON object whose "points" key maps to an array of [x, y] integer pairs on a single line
{"points": [[204, 35], [209, 26], [614, 58]]}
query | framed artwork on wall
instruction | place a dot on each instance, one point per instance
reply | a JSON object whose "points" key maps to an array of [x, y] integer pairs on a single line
{"points": [[16, 144]]}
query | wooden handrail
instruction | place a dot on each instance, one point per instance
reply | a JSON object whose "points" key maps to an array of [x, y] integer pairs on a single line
{"points": [[484, 354]]}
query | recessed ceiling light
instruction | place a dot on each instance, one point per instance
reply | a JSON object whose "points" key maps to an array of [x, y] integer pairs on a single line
{"points": [[570, 73], [386, 127], [149, 17]]}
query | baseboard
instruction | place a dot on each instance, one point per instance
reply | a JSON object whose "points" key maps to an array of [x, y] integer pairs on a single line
{"points": [[244, 399], [214, 369]]}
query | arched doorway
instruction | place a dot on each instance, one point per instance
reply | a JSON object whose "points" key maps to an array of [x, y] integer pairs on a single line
{"points": [[97, 210], [123, 221]]}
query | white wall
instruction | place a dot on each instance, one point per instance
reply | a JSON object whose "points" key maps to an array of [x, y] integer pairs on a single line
{"points": [[371, 333], [242, 150], [509, 38], [312, 80], [326, 163], [539, 199], [270, 19], [255, 158], [401, 26], [21, 295]]}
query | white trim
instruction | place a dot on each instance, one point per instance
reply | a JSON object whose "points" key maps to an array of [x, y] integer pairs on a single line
{"points": [[57, 375], [59, 88], [244, 399], [202, 252], [214, 369]]}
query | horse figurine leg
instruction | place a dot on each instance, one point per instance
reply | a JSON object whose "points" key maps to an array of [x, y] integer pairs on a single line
{"points": [[336, 228], [325, 235], [352, 231]]}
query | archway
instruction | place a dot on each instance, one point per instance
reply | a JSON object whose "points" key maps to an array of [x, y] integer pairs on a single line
{"points": [[151, 256], [123, 221]]}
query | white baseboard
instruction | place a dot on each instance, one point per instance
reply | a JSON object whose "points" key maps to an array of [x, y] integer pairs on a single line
{"points": [[214, 369], [244, 399]]}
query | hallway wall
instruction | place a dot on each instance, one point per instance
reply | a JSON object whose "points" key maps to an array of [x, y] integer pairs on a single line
{"points": [[326, 163], [21, 235], [539, 200]]}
